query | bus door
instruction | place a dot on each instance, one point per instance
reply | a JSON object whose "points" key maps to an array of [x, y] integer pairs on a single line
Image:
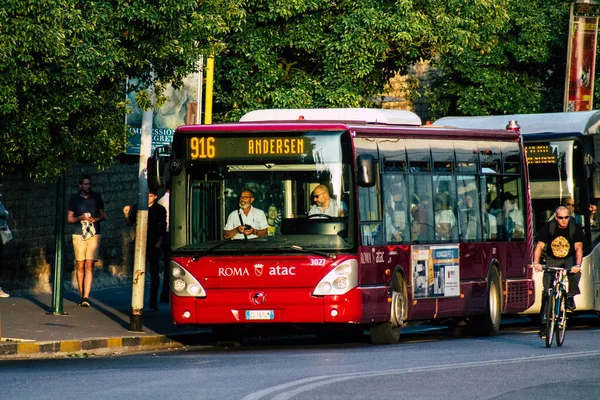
{"points": [[206, 226]]}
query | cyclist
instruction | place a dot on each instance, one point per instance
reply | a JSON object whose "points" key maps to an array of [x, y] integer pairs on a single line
{"points": [[565, 249]]}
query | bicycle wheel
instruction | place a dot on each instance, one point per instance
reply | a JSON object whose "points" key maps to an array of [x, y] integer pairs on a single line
{"points": [[550, 319], [561, 320]]}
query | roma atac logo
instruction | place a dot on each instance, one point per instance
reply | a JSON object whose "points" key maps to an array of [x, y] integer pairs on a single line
{"points": [[258, 269]]}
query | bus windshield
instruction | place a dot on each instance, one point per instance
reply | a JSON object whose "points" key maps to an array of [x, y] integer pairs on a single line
{"points": [[301, 181], [552, 177]]}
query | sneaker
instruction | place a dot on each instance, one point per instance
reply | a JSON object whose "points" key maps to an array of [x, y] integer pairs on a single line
{"points": [[85, 302], [570, 303], [3, 294]]}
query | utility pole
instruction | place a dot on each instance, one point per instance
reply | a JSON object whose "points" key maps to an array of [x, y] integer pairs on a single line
{"points": [[210, 69], [57, 295], [141, 231]]}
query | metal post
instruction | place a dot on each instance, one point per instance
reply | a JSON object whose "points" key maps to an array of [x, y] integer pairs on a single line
{"points": [[210, 69], [57, 294], [200, 79], [139, 263]]}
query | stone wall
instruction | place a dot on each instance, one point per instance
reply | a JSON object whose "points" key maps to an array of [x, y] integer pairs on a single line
{"points": [[29, 259]]}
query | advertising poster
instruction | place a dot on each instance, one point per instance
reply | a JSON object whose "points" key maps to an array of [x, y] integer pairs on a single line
{"points": [[581, 55], [435, 271], [181, 108]]}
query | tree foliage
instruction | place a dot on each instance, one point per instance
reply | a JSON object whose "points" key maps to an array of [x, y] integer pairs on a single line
{"points": [[64, 66], [64, 63], [498, 56], [316, 53], [490, 56]]}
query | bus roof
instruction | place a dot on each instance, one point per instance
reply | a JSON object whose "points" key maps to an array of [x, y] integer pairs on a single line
{"points": [[581, 122], [362, 115]]}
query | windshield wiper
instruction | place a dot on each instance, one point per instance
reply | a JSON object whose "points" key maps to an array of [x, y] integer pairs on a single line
{"points": [[321, 253], [210, 249]]}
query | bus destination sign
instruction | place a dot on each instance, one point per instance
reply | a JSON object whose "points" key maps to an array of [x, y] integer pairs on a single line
{"points": [[215, 148], [540, 154]]}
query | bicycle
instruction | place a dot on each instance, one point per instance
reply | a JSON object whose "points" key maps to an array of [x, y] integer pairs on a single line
{"points": [[555, 312]]}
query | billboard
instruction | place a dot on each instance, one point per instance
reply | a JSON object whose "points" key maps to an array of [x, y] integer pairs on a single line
{"points": [[581, 57], [181, 108]]}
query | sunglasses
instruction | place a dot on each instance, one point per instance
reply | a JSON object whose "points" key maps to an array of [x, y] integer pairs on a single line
{"points": [[570, 204], [558, 217], [316, 195]]}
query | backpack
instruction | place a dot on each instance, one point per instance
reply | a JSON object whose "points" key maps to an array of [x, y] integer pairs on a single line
{"points": [[572, 228]]}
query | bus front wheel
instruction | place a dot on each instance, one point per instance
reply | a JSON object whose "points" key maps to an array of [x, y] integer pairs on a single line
{"points": [[389, 332]]}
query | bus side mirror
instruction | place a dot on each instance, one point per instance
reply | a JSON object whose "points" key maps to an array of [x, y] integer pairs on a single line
{"points": [[365, 166], [155, 167]]}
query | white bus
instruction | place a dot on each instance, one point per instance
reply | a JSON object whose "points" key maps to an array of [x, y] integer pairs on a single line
{"points": [[561, 154]]}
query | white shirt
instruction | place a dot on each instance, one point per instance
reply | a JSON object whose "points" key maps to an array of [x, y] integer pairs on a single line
{"points": [[445, 217], [256, 218], [333, 210], [492, 226]]}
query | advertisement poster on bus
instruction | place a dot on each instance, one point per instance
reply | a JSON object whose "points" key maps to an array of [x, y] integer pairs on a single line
{"points": [[581, 57], [435, 271], [181, 108]]}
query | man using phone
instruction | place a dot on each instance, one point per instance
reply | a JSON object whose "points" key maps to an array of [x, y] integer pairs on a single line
{"points": [[247, 222]]}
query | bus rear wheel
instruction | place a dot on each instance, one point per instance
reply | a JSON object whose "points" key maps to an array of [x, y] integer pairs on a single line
{"points": [[389, 332], [488, 324]]}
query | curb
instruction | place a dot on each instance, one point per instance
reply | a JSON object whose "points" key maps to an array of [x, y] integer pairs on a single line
{"points": [[11, 350]]}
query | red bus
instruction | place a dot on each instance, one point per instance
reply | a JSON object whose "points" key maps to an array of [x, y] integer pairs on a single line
{"points": [[430, 224]]}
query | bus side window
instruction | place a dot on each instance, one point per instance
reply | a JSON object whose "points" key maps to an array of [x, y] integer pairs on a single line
{"points": [[371, 226]]}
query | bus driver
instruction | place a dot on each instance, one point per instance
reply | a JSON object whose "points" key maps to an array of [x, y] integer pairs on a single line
{"points": [[247, 222], [324, 204]]}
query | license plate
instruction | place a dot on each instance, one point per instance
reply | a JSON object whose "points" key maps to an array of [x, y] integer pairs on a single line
{"points": [[259, 314]]}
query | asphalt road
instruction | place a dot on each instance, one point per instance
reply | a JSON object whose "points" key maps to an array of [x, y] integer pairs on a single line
{"points": [[426, 365]]}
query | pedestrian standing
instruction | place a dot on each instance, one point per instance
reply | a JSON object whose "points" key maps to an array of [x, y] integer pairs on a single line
{"points": [[3, 225], [166, 246], [86, 211], [157, 226]]}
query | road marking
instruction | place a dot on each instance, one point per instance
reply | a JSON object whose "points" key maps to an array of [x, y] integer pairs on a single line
{"points": [[307, 384]]}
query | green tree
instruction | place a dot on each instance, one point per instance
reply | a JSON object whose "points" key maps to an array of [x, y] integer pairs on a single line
{"points": [[316, 53], [64, 64], [497, 56]]}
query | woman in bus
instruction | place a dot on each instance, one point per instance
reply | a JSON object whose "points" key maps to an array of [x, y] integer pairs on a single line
{"points": [[445, 220]]}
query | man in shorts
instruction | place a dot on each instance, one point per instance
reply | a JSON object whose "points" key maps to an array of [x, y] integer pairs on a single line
{"points": [[86, 210]]}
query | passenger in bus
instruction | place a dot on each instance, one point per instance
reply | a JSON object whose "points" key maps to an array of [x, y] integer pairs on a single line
{"points": [[421, 225], [470, 220], [490, 225], [570, 205], [325, 205], [246, 222], [592, 210], [392, 234], [445, 220], [399, 210], [512, 217], [563, 240], [273, 220]]}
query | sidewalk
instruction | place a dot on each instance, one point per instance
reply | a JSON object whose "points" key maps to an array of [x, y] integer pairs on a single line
{"points": [[28, 330]]}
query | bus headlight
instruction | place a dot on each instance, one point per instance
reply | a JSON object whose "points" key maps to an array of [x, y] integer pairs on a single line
{"points": [[178, 285], [183, 284], [176, 271], [340, 280], [193, 290]]}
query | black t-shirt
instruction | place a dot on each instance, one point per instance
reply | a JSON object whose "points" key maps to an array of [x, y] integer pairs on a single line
{"points": [[157, 223], [79, 205], [560, 243]]}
